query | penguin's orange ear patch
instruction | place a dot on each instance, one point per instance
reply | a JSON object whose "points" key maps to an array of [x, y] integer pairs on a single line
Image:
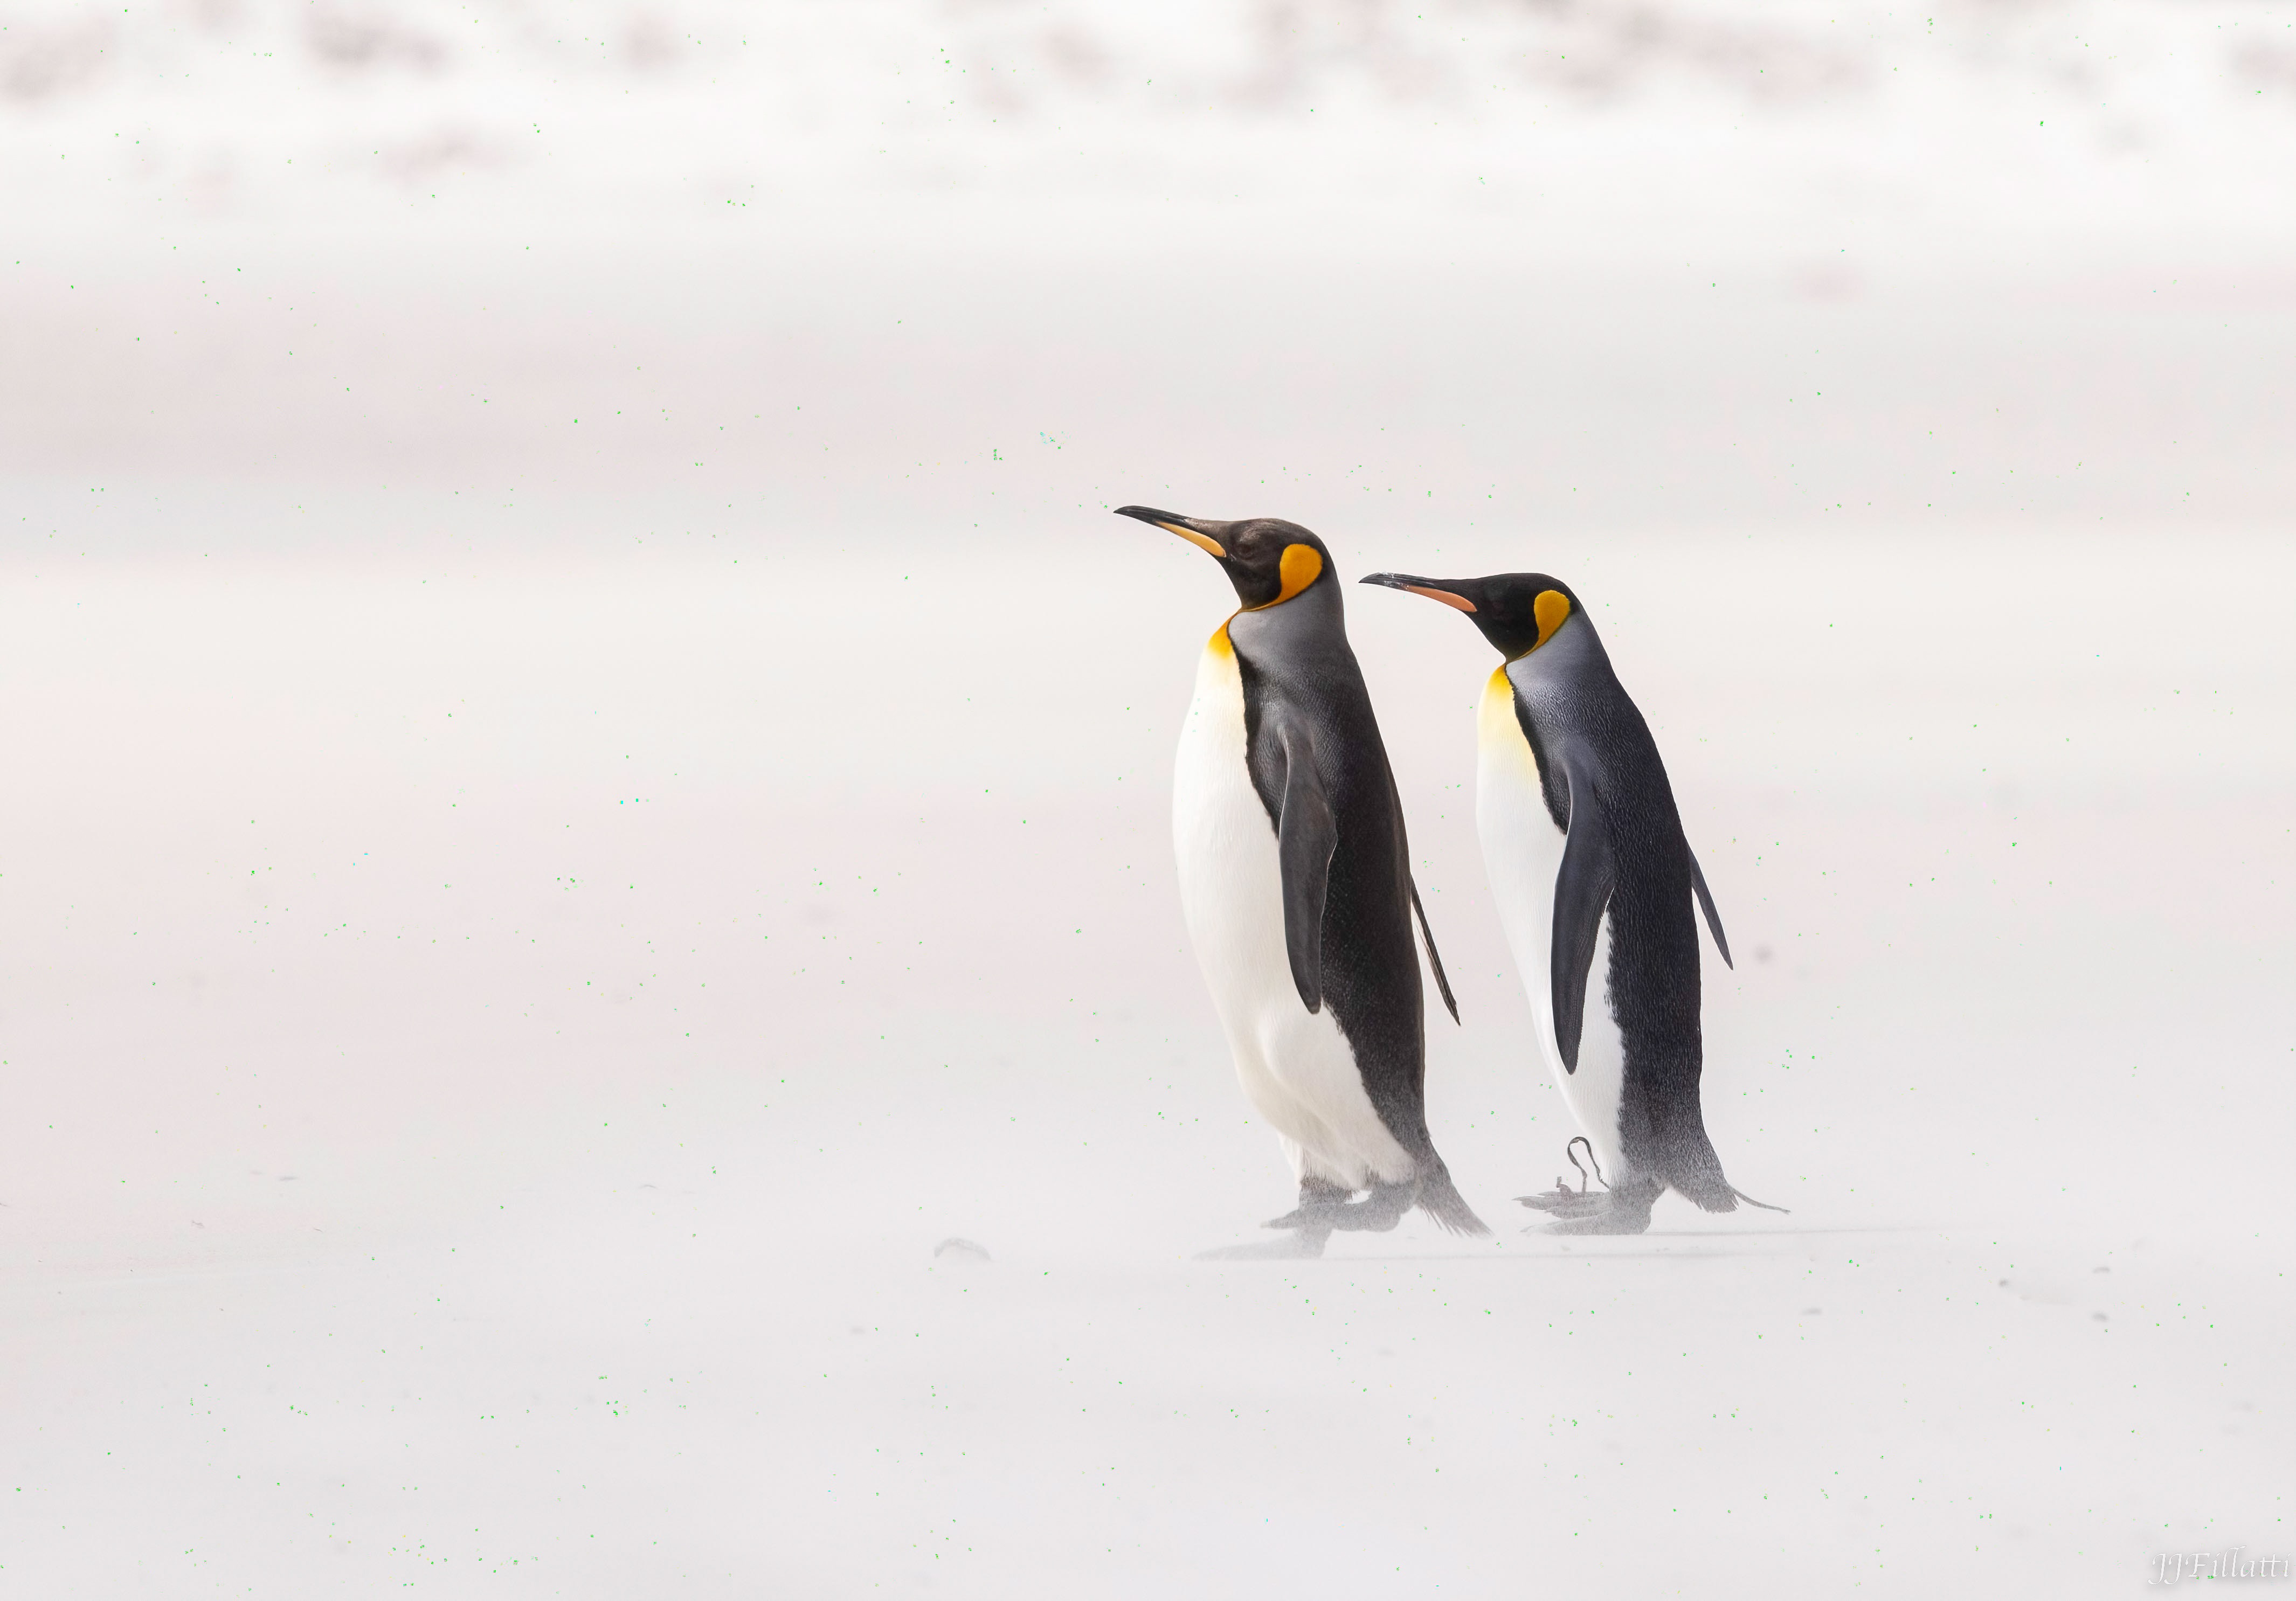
{"points": [[1552, 606], [1300, 567]]}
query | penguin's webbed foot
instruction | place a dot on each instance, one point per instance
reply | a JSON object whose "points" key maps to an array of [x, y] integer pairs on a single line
{"points": [[1321, 1200], [1625, 1210], [1301, 1217], [1563, 1202], [1609, 1222], [1300, 1243], [1326, 1206]]}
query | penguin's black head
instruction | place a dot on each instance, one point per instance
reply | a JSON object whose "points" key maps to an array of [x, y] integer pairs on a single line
{"points": [[1517, 612], [1267, 559]]}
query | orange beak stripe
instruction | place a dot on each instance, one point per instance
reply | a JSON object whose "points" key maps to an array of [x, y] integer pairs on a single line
{"points": [[1203, 542], [1444, 595]]}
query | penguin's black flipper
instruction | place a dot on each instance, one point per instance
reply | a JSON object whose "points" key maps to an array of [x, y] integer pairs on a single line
{"points": [[1434, 959], [1306, 835], [1582, 890], [1713, 918]]}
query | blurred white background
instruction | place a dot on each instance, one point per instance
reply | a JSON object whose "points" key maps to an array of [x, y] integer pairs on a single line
{"points": [[588, 778]]}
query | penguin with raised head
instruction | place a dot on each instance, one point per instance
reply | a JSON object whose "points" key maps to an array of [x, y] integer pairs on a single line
{"points": [[1295, 883], [1593, 881]]}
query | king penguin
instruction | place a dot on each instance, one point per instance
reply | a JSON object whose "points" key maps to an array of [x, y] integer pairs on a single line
{"points": [[1295, 884], [1591, 871]]}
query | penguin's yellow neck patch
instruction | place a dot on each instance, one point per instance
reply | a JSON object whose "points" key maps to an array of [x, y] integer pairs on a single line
{"points": [[1496, 728], [1219, 644], [1299, 567], [1550, 610]]}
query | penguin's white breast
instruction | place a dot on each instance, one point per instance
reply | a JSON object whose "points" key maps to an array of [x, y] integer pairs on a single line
{"points": [[1522, 854], [1296, 1067]]}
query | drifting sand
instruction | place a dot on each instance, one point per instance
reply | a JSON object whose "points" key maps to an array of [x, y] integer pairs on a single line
{"points": [[588, 786]]}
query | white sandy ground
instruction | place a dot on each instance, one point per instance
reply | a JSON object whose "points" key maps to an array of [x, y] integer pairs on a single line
{"points": [[586, 779], [492, 1044]]}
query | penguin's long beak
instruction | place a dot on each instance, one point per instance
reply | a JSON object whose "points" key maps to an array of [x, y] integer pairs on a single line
{"points": [[1419, 586], [1193, 529]]}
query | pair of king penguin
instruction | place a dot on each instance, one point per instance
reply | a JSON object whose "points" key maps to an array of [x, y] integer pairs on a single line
{"points": [[1295, 884]]}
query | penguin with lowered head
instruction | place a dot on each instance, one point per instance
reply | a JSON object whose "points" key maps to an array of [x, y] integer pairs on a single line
{"points": [[1594, 882], [1295, 884]]}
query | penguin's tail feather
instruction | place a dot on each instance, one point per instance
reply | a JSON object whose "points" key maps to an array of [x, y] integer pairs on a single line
{"points": [[1714, 1193], [1443, 1202], [1693, 1171], [1685, 1159]]}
